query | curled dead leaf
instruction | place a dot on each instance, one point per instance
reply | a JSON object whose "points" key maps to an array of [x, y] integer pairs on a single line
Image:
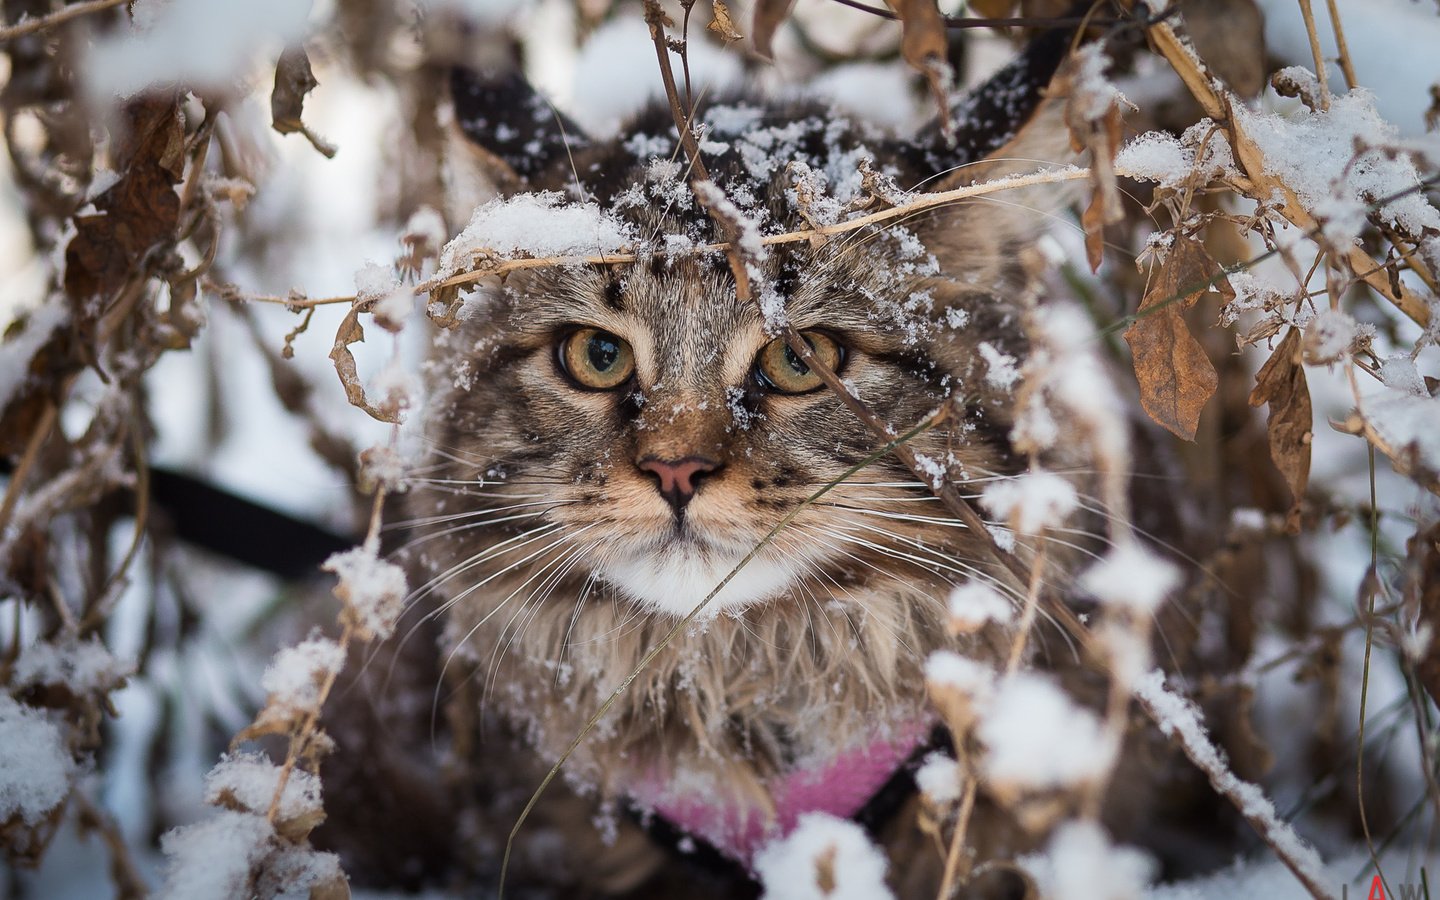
{"points": [[1281, 383], [722, 24], [350, 332], [293, 80], [924, 45], [135, 214], [1175, 375], [1097, 126]]}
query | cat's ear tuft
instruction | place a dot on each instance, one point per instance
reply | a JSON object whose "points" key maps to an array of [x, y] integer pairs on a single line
{"points": [[1011, 123], [520, 140]]}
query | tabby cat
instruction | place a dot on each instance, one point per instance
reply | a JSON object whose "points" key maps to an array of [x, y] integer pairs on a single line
{"points": [[607, 443]]}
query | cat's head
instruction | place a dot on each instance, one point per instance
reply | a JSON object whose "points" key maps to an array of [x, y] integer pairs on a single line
{"points": [[636, 431]]}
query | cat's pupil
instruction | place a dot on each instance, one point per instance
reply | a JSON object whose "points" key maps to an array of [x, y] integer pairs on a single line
{"points": [[603, 351], [795, 363]]}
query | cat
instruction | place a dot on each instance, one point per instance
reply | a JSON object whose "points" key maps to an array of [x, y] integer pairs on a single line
{"points": [[607, 442]]}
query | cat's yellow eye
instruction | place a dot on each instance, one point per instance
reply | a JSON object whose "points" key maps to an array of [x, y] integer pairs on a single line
{"points": [[596, 360], [781, 369]]}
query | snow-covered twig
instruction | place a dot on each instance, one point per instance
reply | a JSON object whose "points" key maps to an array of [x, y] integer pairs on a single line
{"points": [[1178, 719], [1259, 182]]}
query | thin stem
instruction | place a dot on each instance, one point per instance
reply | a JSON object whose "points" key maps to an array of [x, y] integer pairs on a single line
{"points": [[1370, 590], [27, 461], [1309, 15], [59, 16], [1032, 608], [1347, 67], [957, 840]]}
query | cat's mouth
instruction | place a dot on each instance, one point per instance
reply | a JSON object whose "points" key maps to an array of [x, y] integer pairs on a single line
{"points": [[676, 573]]}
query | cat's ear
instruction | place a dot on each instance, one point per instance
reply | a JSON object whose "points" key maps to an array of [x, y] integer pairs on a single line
{"points": [[513, 135], [1012, 123]]}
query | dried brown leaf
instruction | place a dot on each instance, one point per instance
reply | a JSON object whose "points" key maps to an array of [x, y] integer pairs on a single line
{"points": [[1281, 383], [722, 24], [350, 332], [293, 80], [1093, 221], [336, 888], [769, 15], [27, 408], [1175, 375], [135, 214], [1094, 121], [924, 45], [923, 31]]}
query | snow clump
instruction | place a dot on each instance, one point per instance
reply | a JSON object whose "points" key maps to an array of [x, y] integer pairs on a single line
{"points": [[1032, 502], [939, 779], [1082, 864], [1131, 577], [536, 225], [293, 678], [1036, 738], [975, 604], [35, 767], [824, 858], [373, 590]]}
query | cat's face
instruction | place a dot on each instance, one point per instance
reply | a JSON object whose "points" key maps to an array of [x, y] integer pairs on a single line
{"points": [[632, 433], [655, 430]]}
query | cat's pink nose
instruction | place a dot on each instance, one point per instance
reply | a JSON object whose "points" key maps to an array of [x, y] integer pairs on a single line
{"points": [[678, 478]]}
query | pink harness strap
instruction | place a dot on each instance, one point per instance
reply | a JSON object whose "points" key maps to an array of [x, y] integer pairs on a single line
{"points": [[841, 788]]}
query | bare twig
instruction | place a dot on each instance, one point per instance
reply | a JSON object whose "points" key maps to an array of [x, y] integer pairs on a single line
{"points": [[59, 16], [1309, 14], [1032, 608], [918, 203], [961, 22], [38, 436], [301, 738], [957, 840], [1347, 67], [129, 883]]}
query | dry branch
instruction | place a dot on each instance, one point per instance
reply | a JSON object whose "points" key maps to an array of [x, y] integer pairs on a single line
{"points": [[1258, 183], [58, 17], [1178, 720]]}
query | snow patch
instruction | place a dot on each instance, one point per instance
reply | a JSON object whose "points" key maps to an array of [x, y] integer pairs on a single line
{"points": [[1032, 502], [1131, 577], [824, 858], [35, 766], [536, 225]]}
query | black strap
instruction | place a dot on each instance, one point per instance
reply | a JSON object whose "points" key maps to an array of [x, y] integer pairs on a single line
{"points": [[230, 525], [227, 524]]}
